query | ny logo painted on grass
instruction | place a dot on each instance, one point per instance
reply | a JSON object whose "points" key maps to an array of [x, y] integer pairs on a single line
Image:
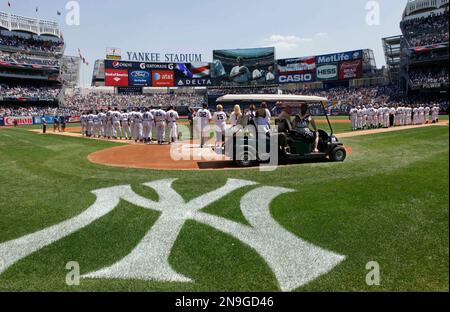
{"points": [[293, 261]]}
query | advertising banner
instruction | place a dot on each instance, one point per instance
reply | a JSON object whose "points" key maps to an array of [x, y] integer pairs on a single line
{"points": [[74, 119], [139, 78], [38, 120], [130, 90], [339, 57], [296, 70], [162, 78], [193, 75], [2, 121], [350, 70], [242, 67], [328, 72], [21, 121], [116, 77], [138, 74]]}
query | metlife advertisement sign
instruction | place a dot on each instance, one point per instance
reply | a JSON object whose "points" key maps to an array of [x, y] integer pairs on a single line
{"points": [[339, 57]]}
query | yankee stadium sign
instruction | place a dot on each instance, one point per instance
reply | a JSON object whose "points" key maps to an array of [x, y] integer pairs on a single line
{"points": [[166, 57]]}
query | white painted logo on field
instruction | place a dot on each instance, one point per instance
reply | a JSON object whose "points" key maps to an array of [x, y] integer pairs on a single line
{"points": [[293, 261]]}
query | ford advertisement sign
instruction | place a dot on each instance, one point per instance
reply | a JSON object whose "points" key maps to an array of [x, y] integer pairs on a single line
{"points": [[139, 78], [328, 72], [339, 57]]}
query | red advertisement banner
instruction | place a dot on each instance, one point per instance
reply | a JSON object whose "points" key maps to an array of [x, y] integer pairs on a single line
{"points": [[21, 121], [163, 78], [116, 77], [350, 70]]}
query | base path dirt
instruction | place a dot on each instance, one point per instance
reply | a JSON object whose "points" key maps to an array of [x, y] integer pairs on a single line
{"points": [[395, 129]]}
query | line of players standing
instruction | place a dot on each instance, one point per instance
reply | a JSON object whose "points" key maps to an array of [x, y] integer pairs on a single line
{"points": [[373, 117], [137, 124]]}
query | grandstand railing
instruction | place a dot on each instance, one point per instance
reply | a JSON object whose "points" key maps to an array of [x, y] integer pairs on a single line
{"points": [[33, 25]]}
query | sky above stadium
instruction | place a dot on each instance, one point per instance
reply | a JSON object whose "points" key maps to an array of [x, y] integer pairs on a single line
{"points": [[295, 27]]}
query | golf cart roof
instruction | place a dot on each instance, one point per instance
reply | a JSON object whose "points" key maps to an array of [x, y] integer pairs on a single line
{"points": [[269, 98]]}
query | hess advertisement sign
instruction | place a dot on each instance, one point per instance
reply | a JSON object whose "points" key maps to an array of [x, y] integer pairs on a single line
{"points": [[327, 72]]}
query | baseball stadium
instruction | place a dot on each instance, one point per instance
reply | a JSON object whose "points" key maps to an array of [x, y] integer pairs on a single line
{"points": [[246, 169]]}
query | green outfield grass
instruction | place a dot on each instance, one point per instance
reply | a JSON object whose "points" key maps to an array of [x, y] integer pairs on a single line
{"points": [[387, 203]]}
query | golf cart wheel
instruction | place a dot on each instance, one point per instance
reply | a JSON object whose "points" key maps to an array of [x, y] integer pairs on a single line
{"points": [[245, 160], [338, 154]]}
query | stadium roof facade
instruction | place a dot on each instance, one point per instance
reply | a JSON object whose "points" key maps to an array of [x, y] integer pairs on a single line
{"points": [[13, 22]]}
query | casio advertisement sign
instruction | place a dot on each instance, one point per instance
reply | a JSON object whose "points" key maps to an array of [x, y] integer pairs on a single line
{"points": [[328, 72], [296, 78]]}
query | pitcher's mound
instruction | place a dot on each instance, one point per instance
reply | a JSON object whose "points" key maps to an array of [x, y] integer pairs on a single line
{"points": [[162, 157]]}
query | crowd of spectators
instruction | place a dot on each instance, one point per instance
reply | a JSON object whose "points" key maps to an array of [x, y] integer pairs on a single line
{"points": [[19, 58], [31, 44], [124, 101], [429, 78], [425, 31], [341, 100], [34, 111], [28, 91]]}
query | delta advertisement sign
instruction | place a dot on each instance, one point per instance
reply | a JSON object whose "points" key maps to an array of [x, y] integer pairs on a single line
{"points": [[297, 70], [193, 75]]}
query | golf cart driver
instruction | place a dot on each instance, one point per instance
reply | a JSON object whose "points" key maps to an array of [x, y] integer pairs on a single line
{"points": [[296, 141], [302, 124]]}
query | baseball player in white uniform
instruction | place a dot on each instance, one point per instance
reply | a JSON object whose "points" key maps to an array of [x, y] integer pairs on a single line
{"points": [[392, 113], [109, 123], [116, 119], [381, 116], [171, 119], [370, 114], [398, 114], [422, 115], [97, 125], [386, 113], [90, 126], [102, 117], [427, 111], [220, 119], [203, 119], [360, 117], [365, 117], [160, 118], [435, 114], [125, 123], [138, 126], [83, 120], [147, 126], [354, 118], [376, 123]]}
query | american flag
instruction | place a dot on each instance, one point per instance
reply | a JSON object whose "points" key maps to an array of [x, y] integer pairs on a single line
{"points": [[200, 70]]}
